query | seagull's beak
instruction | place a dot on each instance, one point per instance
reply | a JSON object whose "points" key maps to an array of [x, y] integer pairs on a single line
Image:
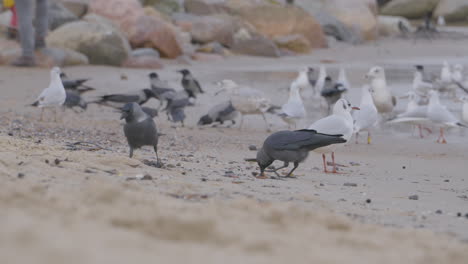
{"points": [[355, 108], [220, 91]]}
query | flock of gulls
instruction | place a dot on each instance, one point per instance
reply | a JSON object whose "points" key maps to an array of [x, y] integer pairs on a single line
{"points": [[324, 136]]}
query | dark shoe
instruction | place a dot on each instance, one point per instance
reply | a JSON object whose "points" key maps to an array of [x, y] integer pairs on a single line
{"points": [[40, 43], [24, 61]]}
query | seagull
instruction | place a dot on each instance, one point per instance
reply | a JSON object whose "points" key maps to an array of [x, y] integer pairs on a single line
{"points": [[119, 100], [292, 146], [445, 74], [415, 114], [367, 117], [190, 84], [464, 99], [220, 113], [421, 85], [320, 83], [139, 129], [246, 100], [303, 82], [383, 99], [293, 109], [76, 85], [457, 73], [439, 115], [339, 123], [52, 96], [343, 79], [332, 92]]}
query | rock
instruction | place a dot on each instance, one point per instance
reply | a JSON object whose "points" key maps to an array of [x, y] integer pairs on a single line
{"points": [[163, 6], [149, 52], [350, 184], [97, 19], [355, 14], [206, 57], [142, 30], [148, 62], [77, 7], [59, 15], [65, 57], [296, 43], [205, 29], [100, 43], [333, 27], [5, 18], [205, 7], [409, 8], [413, 197], [388, 25], [255, 45], [452, 10], [263, 15], [213, 47], [252, 148]]}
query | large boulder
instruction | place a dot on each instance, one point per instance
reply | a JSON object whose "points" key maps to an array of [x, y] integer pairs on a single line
{"points": [[248, 43], [205, 29], [409, 8], [102, 44], [59, 15], [141, 29], [268, 17], [296, 43], [453, 10], [165, 6], [355, 14], [77, 7], [337, 29], [389, 25]]}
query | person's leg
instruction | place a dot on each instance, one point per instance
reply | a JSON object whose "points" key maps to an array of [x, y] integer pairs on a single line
{"points": [[26, 33], [42, 22]]}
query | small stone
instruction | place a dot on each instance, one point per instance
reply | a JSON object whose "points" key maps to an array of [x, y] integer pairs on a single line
{"points": [[413, 197], [466, 215], [203, 179], [20, 175], [10, 134], [183, 173], [446, 180], [438, 211], [368, 201], [146, 177], [252, 147], [321, 184], [57, 161], [254, 173], [459, 214], [47, 161], [350, 184], [404, 167]]}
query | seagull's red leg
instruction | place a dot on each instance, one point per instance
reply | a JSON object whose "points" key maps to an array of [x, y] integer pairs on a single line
{"points": [[420, 131], [333, 161], [440, 136], [443, 136], [357, 136], [324, 164], [428, 130]]}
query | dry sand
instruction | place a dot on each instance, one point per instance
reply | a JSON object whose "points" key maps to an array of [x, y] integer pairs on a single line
{"points": [[205, 206]]}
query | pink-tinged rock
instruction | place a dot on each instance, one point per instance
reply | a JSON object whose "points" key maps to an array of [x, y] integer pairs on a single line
{"points": [[148, 62], [143, 29], [198, 56]]}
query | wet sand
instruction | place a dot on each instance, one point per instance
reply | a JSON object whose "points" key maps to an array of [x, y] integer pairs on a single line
{"points": [[204, 205]]}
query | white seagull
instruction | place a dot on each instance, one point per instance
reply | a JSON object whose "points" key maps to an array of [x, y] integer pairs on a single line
{"points": [[457, 73], [246, 100], [294, 108], [367, 116], [343, 79], [383, 99], [320, 83], [464, 99], [303, 82], [445, 74], [339, 123], [414, 114], [441, 116], [53, 96], [421, 85]]}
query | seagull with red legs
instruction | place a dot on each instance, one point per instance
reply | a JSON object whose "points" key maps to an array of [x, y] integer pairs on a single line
{"points": [[341, 123]]}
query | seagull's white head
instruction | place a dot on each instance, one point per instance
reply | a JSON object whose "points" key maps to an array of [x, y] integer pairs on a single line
{"points": [[55, 71], [376, 72], [342, 107], [226, 86]]}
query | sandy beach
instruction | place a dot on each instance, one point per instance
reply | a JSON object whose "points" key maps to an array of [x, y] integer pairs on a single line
{"points": [[82, 203]]}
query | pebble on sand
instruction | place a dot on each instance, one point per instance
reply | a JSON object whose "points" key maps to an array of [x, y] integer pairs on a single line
{"points": [[413, 197], [350, 184]]}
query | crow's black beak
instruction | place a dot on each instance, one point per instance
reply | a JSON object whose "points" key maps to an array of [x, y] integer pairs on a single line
{"points": [[124, 115]]}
